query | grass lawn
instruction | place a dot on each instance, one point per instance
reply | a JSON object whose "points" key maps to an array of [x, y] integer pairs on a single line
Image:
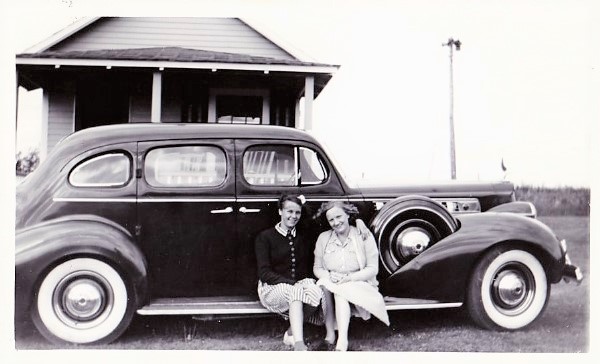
{"points": [[564, 326]]}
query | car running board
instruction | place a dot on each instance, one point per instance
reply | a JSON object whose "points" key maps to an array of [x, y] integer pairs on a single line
{"points": [[245, 305]]}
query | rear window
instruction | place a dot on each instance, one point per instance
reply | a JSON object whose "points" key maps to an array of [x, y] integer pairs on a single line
{"points": [[106, 170]]}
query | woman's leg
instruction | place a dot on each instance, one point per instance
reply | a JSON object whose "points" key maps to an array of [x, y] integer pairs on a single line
{"points": [[342, 315], [329, 317], [296, 324]]}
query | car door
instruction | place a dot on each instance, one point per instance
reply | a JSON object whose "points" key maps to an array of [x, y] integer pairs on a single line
{"points": [[186, 218], [266, 169]]}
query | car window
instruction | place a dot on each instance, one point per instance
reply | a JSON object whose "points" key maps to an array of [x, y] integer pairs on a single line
{"points": [[106, 170], [282, 165], [185, 166], [312, 170]]}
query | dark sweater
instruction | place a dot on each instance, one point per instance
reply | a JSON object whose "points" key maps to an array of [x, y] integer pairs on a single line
{"points": [[274, 258]]}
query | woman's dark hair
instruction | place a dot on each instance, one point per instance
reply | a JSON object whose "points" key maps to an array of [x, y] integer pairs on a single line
{"points": [[292, 198], [348, 208]]}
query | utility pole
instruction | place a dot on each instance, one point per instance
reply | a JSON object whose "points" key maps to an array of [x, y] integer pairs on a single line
{"points": [[452, 44]]}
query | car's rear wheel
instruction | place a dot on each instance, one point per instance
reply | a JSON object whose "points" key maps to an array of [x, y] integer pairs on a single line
{"points": [[508, 290], [82, 301]]}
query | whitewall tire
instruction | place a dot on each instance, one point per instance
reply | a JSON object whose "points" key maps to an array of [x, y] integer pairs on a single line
{"points": [[508, 290], [82, 301]]}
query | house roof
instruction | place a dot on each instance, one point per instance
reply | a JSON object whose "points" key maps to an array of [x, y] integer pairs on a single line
{"points": [[168, 54], [83, 23]]}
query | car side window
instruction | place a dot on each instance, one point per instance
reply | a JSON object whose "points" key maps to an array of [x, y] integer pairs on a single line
{"points": [[282, 165], [312, 169], [185, 166], [106, 170]]}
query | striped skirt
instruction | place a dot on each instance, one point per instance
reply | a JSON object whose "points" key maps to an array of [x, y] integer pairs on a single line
{"points": [[276, 298]]}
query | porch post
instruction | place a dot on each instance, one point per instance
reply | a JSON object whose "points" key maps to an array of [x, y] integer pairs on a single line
{"points": [[16, 107], [156, 97], [309, 95], [44, 131]]}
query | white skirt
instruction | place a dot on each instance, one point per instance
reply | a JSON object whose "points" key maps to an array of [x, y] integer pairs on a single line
{"points": [[363, 295]]}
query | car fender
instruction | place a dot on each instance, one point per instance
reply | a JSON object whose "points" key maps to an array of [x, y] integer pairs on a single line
{"points": [[516, 207], [40, 247], [442, 271]]}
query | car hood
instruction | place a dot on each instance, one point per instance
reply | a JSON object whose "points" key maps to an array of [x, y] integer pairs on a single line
{"points": [[432, 189]]}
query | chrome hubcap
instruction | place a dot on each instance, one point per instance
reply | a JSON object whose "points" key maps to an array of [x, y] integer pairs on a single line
{"points": [[513, 289], [83, 299], [412, 242]]}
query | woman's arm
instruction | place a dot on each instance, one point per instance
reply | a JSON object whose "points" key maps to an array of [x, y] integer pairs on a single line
{"points": [[363, 229], [372, 262], [318, 268]]}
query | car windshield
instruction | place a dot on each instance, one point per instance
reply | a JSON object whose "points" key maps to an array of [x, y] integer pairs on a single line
{"points": [[335, 162]]}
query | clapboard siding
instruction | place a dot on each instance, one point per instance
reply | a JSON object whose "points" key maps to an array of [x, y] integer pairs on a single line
{"points": [[61, 108], [212, 34]]}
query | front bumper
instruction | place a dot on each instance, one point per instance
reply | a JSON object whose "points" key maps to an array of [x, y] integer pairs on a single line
{"points": [[571, 272]]}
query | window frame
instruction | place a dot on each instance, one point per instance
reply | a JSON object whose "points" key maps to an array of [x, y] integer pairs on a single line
{"points": [[297, 168], [95, 158], [261, 92], [184, 187]]}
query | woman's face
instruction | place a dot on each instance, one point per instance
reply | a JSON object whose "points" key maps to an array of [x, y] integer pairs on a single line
{"points": [[338, 220], [290, 214]]}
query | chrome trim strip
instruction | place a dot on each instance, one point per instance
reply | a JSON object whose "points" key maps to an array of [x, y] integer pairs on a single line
{"points": [[148, 311], [183, 199], [421, 306], [257, 200], [329, 199], [92, 199], [173, 309]]}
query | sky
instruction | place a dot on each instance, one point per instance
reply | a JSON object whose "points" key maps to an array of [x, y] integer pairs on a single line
{"points": [[525, 82]]}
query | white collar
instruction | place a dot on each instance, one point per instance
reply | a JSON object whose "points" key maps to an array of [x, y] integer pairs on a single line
{"points": [[280, 229]]}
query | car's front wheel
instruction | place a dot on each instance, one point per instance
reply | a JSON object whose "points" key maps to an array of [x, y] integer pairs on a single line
{"points": [[508, 290], [82, 301]]}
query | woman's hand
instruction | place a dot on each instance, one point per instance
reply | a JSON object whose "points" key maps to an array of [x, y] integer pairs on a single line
{"points": [[338, 278]]}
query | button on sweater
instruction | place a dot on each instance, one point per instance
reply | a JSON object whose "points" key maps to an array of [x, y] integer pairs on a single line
{"points": [[282, 259]]}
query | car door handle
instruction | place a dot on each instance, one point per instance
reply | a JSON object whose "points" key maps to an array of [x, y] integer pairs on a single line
{"points": [[223, 211], [244, 210]]}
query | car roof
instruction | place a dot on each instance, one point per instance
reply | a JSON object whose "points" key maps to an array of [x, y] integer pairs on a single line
{"points": [[122, 133]]}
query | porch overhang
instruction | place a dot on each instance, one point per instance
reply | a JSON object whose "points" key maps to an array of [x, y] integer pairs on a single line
{"points": [[162, 65], [173, 58]]}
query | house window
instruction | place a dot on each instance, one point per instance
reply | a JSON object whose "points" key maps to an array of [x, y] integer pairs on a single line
{"points": [[238, 106], [232, 109]]}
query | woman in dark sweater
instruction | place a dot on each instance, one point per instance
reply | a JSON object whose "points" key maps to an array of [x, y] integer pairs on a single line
{"points": [[285, 284]]}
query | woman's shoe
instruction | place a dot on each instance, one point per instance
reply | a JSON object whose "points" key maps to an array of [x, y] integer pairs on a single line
{"points": [[325, 346], [341, 346], [300, 346], [288, 339]]}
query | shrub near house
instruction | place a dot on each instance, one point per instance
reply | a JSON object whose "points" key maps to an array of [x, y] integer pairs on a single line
{"points": [[27, 163]]}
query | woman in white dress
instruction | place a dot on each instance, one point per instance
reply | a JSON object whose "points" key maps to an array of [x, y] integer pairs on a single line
{"points": [[346, 266]]}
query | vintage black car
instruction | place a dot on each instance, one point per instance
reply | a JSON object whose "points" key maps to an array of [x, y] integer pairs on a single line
{"points": [[160, 219]]}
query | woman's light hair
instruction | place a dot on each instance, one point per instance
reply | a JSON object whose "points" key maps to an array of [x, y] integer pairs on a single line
{"points": [[348, 208]]}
